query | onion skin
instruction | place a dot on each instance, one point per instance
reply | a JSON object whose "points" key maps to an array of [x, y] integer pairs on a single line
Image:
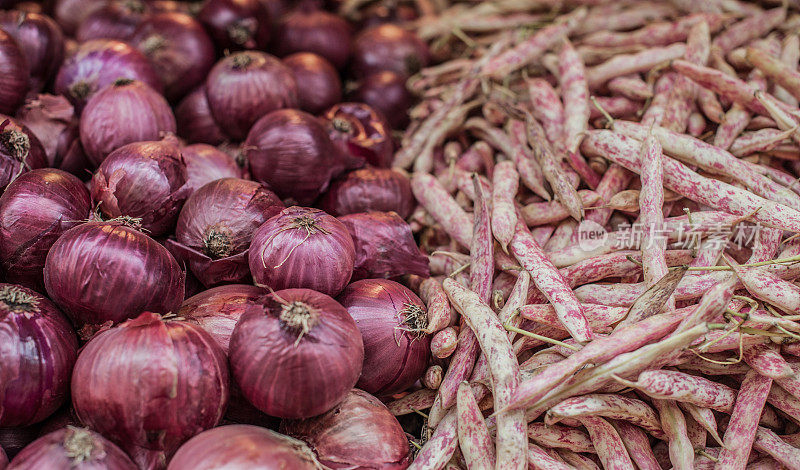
{"points": [[41, 41], [360, 432], [195, 123], [39, 349], [361, 132], [317, 31], [70, 13], [302, 248], [117, 19], [370, 189], [386, 92], [14, 70], [384, 245], [386, 313], [216, 225], [319, 84], [20, 150], [179, 48], [236, 24], [151, 384], [143, 180], [283, 145], [245, 86], [122, 113], [99, 272], [388, 47], [98, 63], [218, 309], [272, 355], [73, 448], [205, 163], [35, 210], [243, 447], [54, 122]]}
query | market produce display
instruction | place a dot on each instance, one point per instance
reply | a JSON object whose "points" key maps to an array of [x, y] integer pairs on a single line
{"points": [[424, 234]]}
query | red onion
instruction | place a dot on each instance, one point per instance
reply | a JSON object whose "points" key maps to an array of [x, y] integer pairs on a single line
{"points": [[70, 13], [236, 24], [20, 150], [275, 9], [73, 448], [216, 225], [391, 319], [39, 349], [386, 92], [370, 189], [321, 87], [317, 31], [361, 132], [124, 112], [205, 164], [385, 246], [117, 19], [99, 272], [54, 122], [360, 432], [218, 309], [41, 41], [150, 384], [388, 47], [245, 86], [243, 447], [380, 13], [143, 180], [282, 147], [35, 210], [14, 70], [302, 247], [99, 63], [195, 123], [179, 48], [296, 353]]}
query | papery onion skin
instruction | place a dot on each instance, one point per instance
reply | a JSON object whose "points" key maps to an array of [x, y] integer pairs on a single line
{"points": [[370, 189], [117, 19], [20, 150], [389, 316], [14, 70], [245, 86], [124, 112], [151, 384], [243, 447], [143, 180], [41, 41], [217, 223], [99, 272], [361, 132], [388, 47], [73, 448], [218, 309], [54, 122], [236, 24], [319, 86], [386, 92], [384, 245], [179, 48], [302, 248], [35, 210], [205, 163], [296, 353], [282, 147], [39, 350], [195, 123], [70, 13], [98, 63], [359, 432], [317, 31]]}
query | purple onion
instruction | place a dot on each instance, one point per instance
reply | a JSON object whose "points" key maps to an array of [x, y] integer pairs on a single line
{"points": [[195, 123], [205, 164], [14, 70], [117, 19], [20, 150], [386, 92], [70, 13], [73, 448], [321, 87], [388, 47], [361, 132], [317, 31], [236, 24], [368, 190], [41, 41]]}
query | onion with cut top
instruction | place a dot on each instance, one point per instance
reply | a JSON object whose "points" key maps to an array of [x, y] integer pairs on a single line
{"points": [[73, 448], [361, 132]]}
